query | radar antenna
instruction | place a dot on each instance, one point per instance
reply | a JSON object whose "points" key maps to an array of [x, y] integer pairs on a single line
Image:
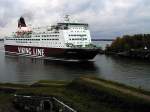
{"points": [[67, 18]]}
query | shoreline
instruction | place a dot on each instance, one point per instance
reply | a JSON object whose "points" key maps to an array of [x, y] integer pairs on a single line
{"points": [[131, 54]]}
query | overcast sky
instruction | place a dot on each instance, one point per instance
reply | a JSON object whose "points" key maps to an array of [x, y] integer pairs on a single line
{"points": [[107, 18]]}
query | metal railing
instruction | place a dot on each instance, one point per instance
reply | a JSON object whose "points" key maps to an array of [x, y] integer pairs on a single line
{"points": [[62, 106]]}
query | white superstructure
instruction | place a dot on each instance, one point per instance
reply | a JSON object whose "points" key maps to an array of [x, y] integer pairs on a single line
{"points": [[67, 34]]}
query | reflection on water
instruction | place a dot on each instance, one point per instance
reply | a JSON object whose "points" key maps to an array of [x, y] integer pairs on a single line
{"points": [[86, 65], [26, 70]]}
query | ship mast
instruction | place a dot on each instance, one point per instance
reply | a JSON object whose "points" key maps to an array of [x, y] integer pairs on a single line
{"points": [[67, 18]]}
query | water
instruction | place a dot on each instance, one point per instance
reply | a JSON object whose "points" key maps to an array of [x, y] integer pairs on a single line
{"points": [[27, 70], [102, 44]]}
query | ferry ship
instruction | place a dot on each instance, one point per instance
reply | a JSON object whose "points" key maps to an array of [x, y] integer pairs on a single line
{"points": [[68, 40]]}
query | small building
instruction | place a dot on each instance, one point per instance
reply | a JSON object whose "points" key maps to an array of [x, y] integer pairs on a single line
{"points": [[40, 104]]}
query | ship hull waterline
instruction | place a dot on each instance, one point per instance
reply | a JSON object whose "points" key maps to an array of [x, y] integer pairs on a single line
{"points": [[79, 54]]}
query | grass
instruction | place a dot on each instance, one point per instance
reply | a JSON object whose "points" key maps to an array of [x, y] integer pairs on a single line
{"points": [[53, 81], [140, 90], [5, 103], [50, 83], [110, 97], [13, 85], [84, 96]]}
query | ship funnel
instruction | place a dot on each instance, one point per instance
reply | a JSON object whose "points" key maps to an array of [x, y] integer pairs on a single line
{"points": [[21, 22]]}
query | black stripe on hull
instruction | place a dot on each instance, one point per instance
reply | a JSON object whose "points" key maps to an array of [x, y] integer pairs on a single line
{"points": [[60, 53]]}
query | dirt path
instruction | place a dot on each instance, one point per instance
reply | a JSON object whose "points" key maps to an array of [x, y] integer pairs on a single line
{"points": [[119, 88]]}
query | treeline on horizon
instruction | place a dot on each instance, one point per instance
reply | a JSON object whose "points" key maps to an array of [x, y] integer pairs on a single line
{"points": [[129, 42], [102, 39]]}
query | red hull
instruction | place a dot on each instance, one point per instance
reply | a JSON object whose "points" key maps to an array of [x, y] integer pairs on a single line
{"points": [[61, 53]]}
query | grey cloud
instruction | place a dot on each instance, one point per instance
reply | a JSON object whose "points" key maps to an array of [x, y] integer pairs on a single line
{"points": [[29, 15], [107, 19], [10, 11]]}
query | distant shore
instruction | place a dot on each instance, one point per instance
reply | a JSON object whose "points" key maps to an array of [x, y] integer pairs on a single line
{"points": [[133, 54], [103, 39], [130, 46], [85, 94]]}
